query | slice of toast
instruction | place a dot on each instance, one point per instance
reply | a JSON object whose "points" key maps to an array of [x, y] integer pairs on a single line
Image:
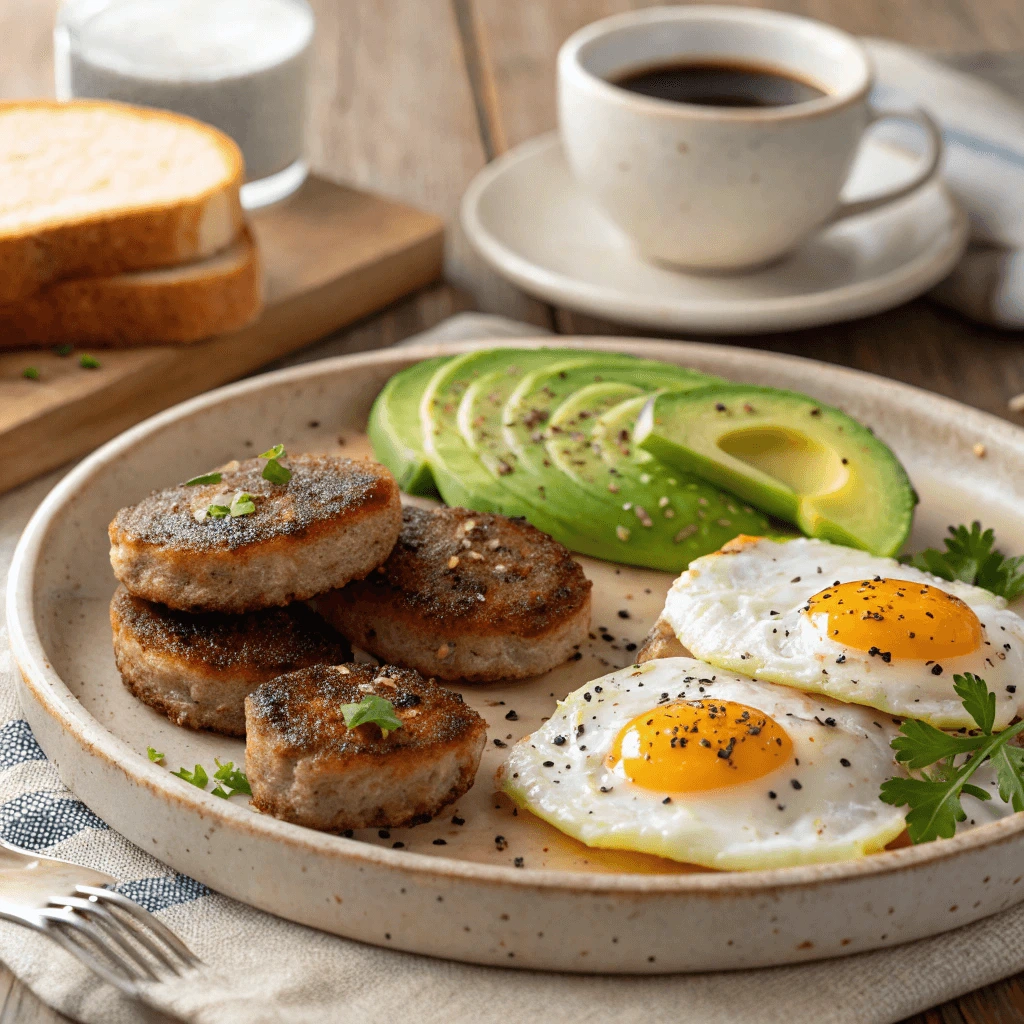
{"points": [[173, 305], [91, 189]]}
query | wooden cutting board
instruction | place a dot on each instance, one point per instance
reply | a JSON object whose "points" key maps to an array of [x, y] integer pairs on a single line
{"points": [[330, 256]]}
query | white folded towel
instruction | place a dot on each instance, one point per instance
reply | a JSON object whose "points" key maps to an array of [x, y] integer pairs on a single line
{"points": [[983, 132]]}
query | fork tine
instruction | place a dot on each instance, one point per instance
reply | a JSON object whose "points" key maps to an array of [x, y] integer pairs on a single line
{"points": [[143, 916], [74, 945], [69, 919], [120, 930]]}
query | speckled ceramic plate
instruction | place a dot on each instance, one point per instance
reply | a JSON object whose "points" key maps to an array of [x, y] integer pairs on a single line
{"points": [[535, 898]]}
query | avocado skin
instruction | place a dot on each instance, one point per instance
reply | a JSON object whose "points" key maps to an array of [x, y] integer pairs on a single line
{"points": [[872, 503], [394, 427]]}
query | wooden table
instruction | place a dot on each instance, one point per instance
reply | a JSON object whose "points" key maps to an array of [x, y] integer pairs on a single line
{"points": [[413, 97]]}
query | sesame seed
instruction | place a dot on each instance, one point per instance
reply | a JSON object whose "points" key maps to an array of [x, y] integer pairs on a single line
{"points": [[453, 561]]}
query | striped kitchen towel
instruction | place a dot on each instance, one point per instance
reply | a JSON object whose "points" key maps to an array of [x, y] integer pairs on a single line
{"points": [[983, 165], [270, 970]]}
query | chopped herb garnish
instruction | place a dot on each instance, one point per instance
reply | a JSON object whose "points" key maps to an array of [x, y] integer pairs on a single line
{"points": [[970, 557], [273, 470], [934, 796], [154, 754], [371, 708], [234, 779], [206, 478], [241, 505], [30, 373], [88, 362], [197, 778], [63, 350], [214, 512]]}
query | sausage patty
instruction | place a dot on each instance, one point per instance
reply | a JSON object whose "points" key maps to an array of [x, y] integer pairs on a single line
{"points": [[306, 766], [335, 520], [198, 669], [661, 642], [467, 595]]}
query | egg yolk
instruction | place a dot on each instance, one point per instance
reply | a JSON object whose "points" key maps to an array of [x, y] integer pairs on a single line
{"points": [[701, 745], [898, 619]]}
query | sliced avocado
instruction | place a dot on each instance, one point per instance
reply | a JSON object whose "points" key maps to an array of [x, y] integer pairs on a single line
{"points": [[668, 518], [459, 472], [789, 455], [473, 465], [394, 427]]}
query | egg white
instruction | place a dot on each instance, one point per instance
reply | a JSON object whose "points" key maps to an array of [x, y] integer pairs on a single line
{"points": [[835, 814], [742, 609]]}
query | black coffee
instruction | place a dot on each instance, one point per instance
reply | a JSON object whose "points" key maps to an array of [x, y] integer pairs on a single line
{"points": [[717, 84]]}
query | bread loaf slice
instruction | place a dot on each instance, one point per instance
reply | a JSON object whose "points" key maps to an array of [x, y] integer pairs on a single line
{"points": [[91, 188], [151, 307]]}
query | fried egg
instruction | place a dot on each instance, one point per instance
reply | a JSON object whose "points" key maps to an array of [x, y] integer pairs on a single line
{"points": [[680, 760], [837, 621]]}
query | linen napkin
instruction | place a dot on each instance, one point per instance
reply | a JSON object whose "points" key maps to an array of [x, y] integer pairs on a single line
{"points": [[270, 970], [983, 165]]}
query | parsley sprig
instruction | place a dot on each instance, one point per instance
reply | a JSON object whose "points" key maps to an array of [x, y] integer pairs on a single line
{"points": [[230, 780], [197, 777], [970, 557], [242, 504], [205, 478], [233, 780], [934, 796], [273, 470], [378, 710]]}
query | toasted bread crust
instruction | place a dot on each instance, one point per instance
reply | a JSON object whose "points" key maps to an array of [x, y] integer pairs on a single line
{"points": [[335, 520], [306, 766], [467, 595], [135, 237], [128, 310], [198, 669]]}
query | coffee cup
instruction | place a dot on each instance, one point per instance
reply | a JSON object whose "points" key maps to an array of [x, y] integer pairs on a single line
{"points": [[721, 182]]}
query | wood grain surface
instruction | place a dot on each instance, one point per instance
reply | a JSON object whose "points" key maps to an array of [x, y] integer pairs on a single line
{"points": [[370, 251], [412, 97]]}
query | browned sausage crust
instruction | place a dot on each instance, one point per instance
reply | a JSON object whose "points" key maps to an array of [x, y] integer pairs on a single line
{"points": [[467, 595], [335, 520], [198, 668], [306, 766], [661, 642]]}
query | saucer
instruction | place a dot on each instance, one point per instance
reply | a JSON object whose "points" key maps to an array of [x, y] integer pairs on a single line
{"points": [[525, 215]]}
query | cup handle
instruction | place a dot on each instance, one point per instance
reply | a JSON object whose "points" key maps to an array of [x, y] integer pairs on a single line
{"points": [[927, 171]]}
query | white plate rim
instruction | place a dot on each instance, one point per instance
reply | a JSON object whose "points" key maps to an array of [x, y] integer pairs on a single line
{"points": [[55, 698], [781, 313]]}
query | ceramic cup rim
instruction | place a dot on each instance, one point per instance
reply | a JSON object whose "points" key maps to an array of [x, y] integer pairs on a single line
{"points": [[572, 67]]}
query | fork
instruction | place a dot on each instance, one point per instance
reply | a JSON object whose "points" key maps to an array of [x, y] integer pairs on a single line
{"points": [[110, 934]]}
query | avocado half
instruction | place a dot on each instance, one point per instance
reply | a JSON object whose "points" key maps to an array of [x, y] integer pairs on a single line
{"points": [[791, 456]]}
